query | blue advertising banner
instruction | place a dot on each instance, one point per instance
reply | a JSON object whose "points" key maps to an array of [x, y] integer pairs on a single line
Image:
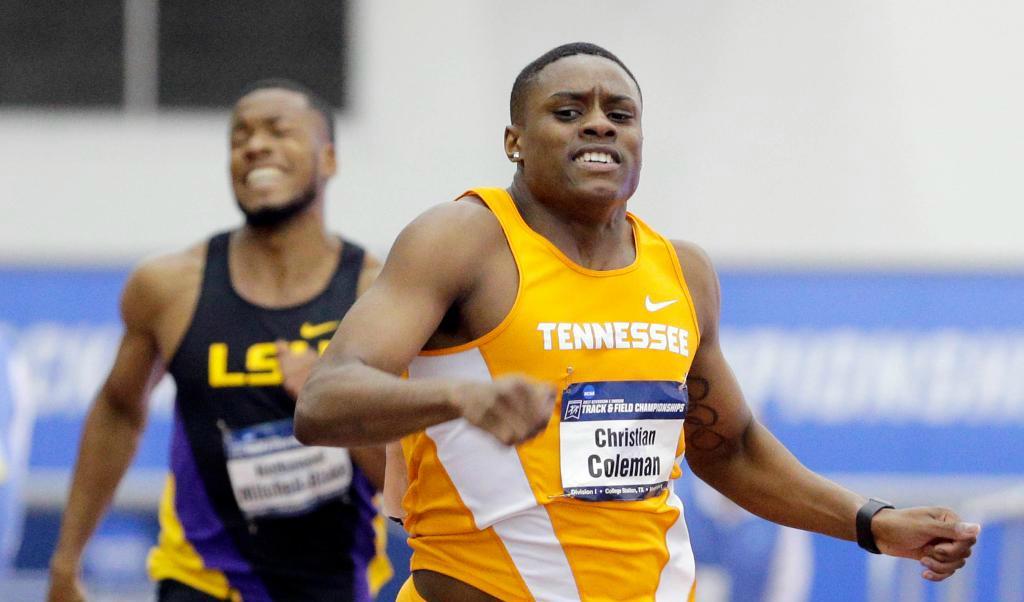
{"points": [[64, 323], [902, 385], [905, 386]]}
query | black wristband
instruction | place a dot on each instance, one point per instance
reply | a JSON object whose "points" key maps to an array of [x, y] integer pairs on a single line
{"points": [[865, 538]]}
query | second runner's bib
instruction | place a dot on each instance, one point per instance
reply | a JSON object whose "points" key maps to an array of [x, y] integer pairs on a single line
{"points": [[272, 474]]}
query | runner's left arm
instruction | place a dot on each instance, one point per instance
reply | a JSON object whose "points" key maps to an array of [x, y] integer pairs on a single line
{"points": [[730, 450]]}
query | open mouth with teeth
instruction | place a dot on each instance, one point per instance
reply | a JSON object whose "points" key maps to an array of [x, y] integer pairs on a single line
{"points": [[596, 157], [263, 176]]}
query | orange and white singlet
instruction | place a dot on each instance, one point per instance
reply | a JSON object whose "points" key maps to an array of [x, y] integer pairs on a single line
{"points": [[586, 510]]}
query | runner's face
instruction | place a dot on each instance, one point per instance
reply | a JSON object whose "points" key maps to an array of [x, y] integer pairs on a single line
{"points": [[581, 138], [279, 150]]}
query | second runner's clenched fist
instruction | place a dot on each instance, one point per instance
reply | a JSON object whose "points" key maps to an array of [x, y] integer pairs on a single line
{"points": [[512, 408]]}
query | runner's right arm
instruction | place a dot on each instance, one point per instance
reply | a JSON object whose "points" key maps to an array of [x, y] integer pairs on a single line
{"points": [[112, 428], [355, 395], [295, 369]]}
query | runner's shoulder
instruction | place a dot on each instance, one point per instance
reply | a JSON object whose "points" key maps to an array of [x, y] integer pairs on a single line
{"points": [[158, 284], [701, 280], [453, 234]]}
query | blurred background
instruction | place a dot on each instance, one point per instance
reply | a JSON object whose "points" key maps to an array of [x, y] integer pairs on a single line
{"points": [[852, 168]]}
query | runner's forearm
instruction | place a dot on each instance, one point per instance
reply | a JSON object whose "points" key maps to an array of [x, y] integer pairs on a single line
{"points": [[354, 404], [763, 477], [109, 440]]}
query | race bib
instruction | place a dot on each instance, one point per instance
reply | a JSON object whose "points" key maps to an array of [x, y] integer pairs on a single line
{"points": [[272, 474], [619, 439]]}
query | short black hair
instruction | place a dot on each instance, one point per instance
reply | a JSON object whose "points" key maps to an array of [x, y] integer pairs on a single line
{"points": [[316, 102], [529, 72]]}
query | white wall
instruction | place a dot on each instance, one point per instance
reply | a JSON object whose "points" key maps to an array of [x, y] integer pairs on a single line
{"points": [[808, 132]]}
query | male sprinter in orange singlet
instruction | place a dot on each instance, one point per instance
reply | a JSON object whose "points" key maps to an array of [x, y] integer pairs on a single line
{"points": [[237, 321], [548, 335]]}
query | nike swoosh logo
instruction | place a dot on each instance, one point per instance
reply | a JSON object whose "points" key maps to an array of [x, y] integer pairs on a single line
{"points": [[652, 306], [312, 331]]}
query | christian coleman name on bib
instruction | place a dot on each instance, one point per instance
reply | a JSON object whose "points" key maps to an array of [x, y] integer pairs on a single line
{"points": [[620, 466], [567, 336]]}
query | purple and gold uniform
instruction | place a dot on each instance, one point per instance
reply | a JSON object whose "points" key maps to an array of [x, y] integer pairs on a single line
{"points": [[247, 512]]}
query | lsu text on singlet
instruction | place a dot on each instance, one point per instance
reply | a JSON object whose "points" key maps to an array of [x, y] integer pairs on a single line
{"points": [[247, 512], [586, 510]]}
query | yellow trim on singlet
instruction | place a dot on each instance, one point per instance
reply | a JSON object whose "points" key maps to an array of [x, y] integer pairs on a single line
{"points": [[379, 571], [175, 558]]}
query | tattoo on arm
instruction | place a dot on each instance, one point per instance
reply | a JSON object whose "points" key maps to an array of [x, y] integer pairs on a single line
{"points": [[701, 416]]}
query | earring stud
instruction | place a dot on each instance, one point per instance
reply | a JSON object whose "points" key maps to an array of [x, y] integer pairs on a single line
{"points": [[514, 156]]}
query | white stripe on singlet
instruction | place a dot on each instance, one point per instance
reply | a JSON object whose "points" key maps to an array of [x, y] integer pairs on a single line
{"points": [[679, 572], [493, 485]]}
